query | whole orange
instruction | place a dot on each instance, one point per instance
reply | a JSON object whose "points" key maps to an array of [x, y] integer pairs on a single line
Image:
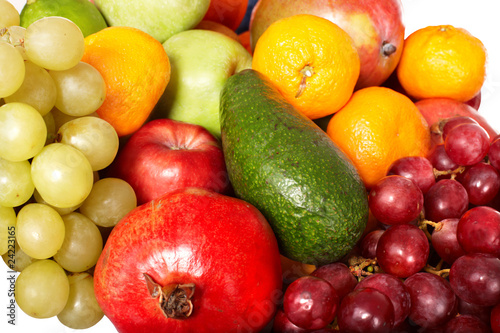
{"points": [[442, 61], [312, 62], [228, 12], [376, 127], [136, 70]]}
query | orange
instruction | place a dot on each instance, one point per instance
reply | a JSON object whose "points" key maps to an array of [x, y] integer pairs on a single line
{"points": [[136, 70], [376, 127], [228, 12], [312, 62], [442, 61]]}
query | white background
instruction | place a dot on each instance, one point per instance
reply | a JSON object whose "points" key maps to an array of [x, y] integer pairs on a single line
{"points": [[480, 18]]}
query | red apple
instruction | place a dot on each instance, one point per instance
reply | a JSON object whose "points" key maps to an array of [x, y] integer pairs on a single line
{"points": [[165, 155], [475, 101], [190, 261], [375, 26], [437, 109]]}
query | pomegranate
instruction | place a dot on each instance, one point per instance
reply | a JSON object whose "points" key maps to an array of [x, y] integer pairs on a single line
{"points": [[190, 261]]}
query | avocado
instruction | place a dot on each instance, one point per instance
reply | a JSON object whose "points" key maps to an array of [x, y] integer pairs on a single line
{"points": [[282, 163]]}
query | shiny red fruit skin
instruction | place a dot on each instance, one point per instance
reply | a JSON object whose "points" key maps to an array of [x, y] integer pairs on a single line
{"points": [[221, 244]]}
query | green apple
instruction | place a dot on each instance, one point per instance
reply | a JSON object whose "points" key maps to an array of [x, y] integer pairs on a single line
{"points": [[201, 62], [159, 18]]}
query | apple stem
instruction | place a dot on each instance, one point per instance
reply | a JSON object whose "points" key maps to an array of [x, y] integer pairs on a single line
{"points": [[174, 299], [306, 72], [388, 48]]}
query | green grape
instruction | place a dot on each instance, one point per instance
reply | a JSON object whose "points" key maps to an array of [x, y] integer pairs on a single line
{"points": [[94, 137], [18, 260], [54, 43], [62, 211], [16, 185], [61, 118], [50, 123], [40, 230], [62, 175], [42, 289], [12, 69], [10, 15], [22, 131], [7, 229], [82, 310], [38, 89], [109, 201], [82, 244], [14, 35], [80, 90]]}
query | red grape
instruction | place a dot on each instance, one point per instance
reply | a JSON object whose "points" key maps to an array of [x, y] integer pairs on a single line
{"points": [[339, 276], [482, 312], [441, 161], [282, 324], [452, 122], [481, 181], [310, 302], [495, 319], [395, 200], [467, 144], [368, 244], [402, 250], [494, 152], [433, 301], [366, 310], [466, 323], [393, 288], [478, 231], [444, 240], [475, 278], [417, 168], [445, 199]]}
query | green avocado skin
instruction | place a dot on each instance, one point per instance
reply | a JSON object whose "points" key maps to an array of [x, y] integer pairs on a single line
{"points": [[282, 163]]}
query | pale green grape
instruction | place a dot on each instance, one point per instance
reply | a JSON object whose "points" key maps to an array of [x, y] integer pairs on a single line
{"points": [[82, 310], [50, 123], [61, 118], [7, 228], [38, 89], [14, 35], [12, 69], [54, 43], [42, 289], [16, 185], [62, 175], [22, 131], [94, 137], [62, 211], [18, 260], [10, 15], [82, 243], [80, 90], [40, 230], [109, 201]]}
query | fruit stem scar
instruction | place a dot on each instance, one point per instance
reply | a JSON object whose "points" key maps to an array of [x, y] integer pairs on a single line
{"points": [[388, 48], [306, 72], [174, 299]]}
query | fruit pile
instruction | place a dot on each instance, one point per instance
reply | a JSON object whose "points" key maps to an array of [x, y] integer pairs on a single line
{"points": [[173, 175]]}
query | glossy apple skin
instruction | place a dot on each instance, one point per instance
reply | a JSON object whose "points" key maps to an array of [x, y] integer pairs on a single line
{"points": [[165, 155], [222, 244], [370, 23]]}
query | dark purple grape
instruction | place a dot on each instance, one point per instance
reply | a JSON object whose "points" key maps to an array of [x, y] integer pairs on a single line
{"points": [[339, 276], [495, 319], [441, 161], [478, 231], [467, 144], [444, 240], [281, 324], [417, 168], [368, 244], [466, 323], [450, 123], [482, 312], [494, 152], [433, 301], [393, 288], [445, 199], [402, 250], [475, 278], [395, 200], [310, 302], [366, 310]]}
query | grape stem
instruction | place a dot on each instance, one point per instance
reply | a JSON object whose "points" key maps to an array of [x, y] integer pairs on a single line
{"points": [[361, 267], [453, 173], [438, 269]]}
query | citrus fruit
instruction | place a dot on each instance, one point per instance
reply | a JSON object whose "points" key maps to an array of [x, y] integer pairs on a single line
{"points": [[228, 12], [312, 62], [442, 61], [82, 12], [376, 127], [136, 70]]}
